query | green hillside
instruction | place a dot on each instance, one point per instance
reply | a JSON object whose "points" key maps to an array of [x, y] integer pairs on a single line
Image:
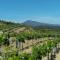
{"points": [[19, 42]]}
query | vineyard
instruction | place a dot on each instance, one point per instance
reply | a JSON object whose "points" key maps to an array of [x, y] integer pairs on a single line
{"points": [[19, 42]]}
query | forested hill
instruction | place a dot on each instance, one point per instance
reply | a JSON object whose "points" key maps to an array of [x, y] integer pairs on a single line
{"points": [[4, 25]]}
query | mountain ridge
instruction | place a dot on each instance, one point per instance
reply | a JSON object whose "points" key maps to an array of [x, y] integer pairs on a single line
{"points": [[36, 24]]}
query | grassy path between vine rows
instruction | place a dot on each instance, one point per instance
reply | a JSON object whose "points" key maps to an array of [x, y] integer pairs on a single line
{"points": [[58, 56], [17, 30], [44, 58], [38, 42]]}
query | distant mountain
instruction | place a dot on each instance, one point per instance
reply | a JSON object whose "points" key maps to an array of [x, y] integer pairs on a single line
{"points": [[35, 24]]}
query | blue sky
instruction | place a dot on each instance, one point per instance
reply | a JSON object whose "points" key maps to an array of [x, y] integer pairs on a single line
{"points": [[47, 11]]}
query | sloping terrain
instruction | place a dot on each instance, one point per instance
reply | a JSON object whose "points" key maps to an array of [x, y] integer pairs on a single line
{"points": [[22, 39], [6, 26]]}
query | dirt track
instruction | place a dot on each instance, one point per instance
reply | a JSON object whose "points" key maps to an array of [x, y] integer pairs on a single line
{"points": [[58, 56]]}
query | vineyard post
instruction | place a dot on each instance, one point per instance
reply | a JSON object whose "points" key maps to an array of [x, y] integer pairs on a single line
{"points": [[47, 53]]}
